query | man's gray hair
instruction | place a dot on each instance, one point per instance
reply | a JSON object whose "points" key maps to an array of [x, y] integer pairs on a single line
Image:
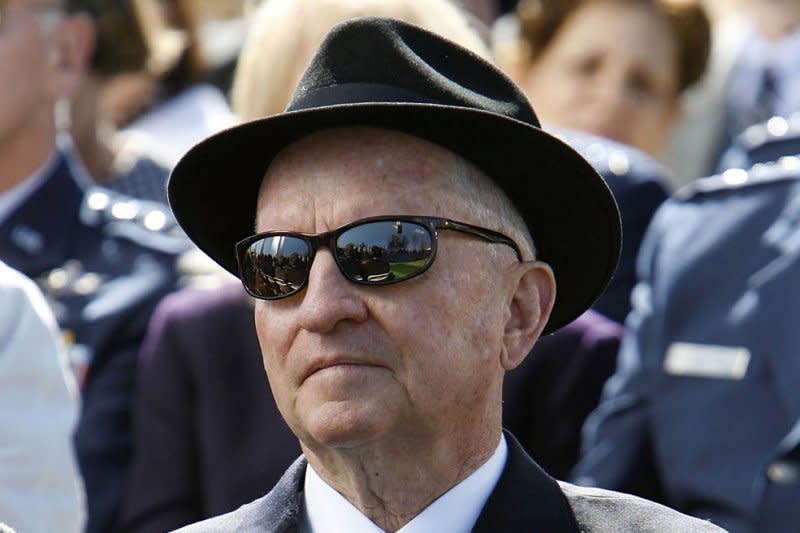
{"points": [[490, 206]]}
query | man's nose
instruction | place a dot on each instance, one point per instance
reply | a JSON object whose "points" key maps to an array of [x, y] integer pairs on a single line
{"points": [[329, 297], [612, 97]]}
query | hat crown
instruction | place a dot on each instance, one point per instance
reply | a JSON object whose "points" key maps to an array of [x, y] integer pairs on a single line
{"points": [[381, 73], [376, 59]]}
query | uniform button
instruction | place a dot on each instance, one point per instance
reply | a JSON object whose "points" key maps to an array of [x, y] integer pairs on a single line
{"points": [[778, 126], [618, 163], [783, 472], [98, 201], [125, 210]]}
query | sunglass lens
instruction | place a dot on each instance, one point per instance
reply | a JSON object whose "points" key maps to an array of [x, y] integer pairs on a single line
{"points": [[386, 251], [276, 266]]}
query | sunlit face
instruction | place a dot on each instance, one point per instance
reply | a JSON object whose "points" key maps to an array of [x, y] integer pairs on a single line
{"points": [[350, 364], [611, 70], [27, 62]]}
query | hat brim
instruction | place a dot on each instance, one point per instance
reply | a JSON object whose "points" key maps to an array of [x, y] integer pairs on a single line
{"points": [[567, 205]]}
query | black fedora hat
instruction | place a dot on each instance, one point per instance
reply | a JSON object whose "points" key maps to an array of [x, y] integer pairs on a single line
{"points": [[385, 73]]}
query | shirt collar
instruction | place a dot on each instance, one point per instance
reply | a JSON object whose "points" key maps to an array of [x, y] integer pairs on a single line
{"points": [[456, 511]]}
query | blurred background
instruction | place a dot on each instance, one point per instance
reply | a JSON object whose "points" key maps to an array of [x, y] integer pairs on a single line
{"points": [[659, 95]]}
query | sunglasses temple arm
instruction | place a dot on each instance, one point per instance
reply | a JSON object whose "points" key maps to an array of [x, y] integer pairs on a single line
{"points": [[486, 234]]}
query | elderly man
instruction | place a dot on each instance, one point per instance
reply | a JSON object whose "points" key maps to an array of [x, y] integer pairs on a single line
{"points": [[396, 283]]}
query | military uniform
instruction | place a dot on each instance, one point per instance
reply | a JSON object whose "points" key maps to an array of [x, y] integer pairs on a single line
{"points": [[763, 143], [703, 412], [639, 187], [103, 261]]}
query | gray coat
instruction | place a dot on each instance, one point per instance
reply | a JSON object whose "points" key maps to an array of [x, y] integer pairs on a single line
{"points": [[525, 499]]}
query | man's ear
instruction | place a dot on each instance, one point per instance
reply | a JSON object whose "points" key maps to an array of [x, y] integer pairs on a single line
{"points": [[72, 48], [528, 311]]}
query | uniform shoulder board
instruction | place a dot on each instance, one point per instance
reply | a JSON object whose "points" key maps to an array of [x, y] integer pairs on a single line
{"points": [[764, 142], [770, 131], [144, 222], [611, 158], [784, 169]]}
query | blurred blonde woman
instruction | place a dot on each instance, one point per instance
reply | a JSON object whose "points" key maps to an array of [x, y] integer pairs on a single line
{"points": [[285, 34]]}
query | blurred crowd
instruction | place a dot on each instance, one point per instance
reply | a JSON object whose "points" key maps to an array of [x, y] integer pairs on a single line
{"points": [[131, 380]]}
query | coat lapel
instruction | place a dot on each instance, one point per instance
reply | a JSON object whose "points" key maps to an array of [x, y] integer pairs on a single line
{"points": [[280, 510], [525, 499]]}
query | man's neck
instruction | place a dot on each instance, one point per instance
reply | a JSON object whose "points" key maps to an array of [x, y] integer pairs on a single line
{"points": [[391, 482], [23, 154], [92, 134]]}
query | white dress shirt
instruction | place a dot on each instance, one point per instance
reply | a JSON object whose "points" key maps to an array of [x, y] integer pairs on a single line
{"points": [[455, 511], [40, 488]]}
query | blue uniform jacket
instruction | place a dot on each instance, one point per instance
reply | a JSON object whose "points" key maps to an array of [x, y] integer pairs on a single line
{"points": [[703, 412], [639, 187], [103, 261]]}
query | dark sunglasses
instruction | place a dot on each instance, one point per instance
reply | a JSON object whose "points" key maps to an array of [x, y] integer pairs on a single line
{"points": [[372, 251]]}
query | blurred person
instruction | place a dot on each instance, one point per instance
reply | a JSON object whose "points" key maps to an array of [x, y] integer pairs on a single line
{"points": [[614, 68], [285, 33], [702, 413], [117, 48], [207, 435], [393, 382], [40, 488], [215, 32], [549, 395], [102, 259], [178, 102], [753, 74], [485, 11]]}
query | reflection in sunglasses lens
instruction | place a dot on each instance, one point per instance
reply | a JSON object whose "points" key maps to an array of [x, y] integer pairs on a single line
{"points": [[383, 251], [277, 266], [377, 252]]}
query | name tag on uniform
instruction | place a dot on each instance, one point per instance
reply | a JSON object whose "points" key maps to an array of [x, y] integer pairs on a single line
{"points": [[706, 361]]}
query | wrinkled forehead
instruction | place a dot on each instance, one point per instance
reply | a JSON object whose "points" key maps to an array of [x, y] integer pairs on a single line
{"points": [[360, 167]]}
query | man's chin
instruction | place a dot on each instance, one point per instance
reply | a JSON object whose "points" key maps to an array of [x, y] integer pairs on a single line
{"points": [[340, 425]]}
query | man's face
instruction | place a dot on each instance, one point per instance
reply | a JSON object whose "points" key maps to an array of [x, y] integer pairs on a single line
{"points": [[28, 66], [350, 364]]}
